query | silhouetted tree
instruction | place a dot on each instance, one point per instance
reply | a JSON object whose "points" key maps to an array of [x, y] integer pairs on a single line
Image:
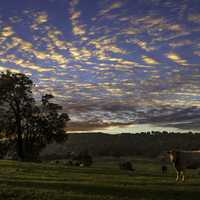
{"points": [[32, 124], [45, 124], [15, 98]]}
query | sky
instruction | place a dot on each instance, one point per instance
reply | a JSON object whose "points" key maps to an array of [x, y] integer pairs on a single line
{"points": [[109, 62]]}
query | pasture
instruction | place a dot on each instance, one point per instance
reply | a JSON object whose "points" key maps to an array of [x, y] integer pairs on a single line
{"points": [[102, 181]]}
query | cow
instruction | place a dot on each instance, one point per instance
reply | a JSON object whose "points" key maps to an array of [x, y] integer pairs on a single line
{"points": [[126, 165], [164, 161], [183, 160]]}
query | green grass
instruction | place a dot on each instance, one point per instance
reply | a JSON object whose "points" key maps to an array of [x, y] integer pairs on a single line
{"points": [[103, 181]]}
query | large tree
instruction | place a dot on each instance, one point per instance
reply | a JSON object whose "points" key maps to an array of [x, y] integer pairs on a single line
{"points": [[32, 124], [44, 123]]}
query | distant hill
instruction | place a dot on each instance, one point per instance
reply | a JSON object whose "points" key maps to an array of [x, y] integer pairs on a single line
{"points": [[144, 144]]}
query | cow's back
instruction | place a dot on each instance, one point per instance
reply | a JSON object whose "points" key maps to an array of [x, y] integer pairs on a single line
{"points": [[188, 159]]}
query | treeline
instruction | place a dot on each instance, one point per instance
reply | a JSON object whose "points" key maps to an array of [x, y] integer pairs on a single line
{"points": [[148, 144]]}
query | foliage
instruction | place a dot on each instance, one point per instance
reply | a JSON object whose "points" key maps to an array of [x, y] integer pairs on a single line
{"points": [[84, 158], [32, 124]]}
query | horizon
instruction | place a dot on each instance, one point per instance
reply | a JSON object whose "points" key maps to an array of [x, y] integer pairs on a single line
{"points": [[132, 129], [111, 64]]}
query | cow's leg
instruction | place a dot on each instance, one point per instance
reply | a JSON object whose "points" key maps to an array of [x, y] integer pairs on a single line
{"points": [[178, 173], [182, 176]]}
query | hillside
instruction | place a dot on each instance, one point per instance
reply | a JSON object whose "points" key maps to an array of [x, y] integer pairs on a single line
{"points": [[144, 144]]}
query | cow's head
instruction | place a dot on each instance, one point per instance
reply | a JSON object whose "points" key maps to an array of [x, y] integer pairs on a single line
{"points": [[172, 155]]}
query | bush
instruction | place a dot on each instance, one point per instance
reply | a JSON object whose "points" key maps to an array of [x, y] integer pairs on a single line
{"points": [[127, 165], [84, 158]]}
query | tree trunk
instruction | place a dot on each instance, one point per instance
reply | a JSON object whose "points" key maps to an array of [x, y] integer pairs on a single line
{"points": [[20, 152]]}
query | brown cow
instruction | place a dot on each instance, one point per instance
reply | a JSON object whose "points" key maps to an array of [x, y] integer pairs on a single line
{"points": [[183, 160]]}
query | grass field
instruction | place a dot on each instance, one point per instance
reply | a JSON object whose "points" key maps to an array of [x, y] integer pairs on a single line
{"points": [[103, 181]]}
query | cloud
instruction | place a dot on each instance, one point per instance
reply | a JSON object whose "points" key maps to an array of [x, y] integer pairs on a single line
{"points": [[180, 43], [40, 18], [186, 118], [7, 31], [112, 7], [194, 18], [75, 15], [120, 53], [197, 53], [150, 61], [143, 45], [4, 69], [78, 28], [176, 58]]}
